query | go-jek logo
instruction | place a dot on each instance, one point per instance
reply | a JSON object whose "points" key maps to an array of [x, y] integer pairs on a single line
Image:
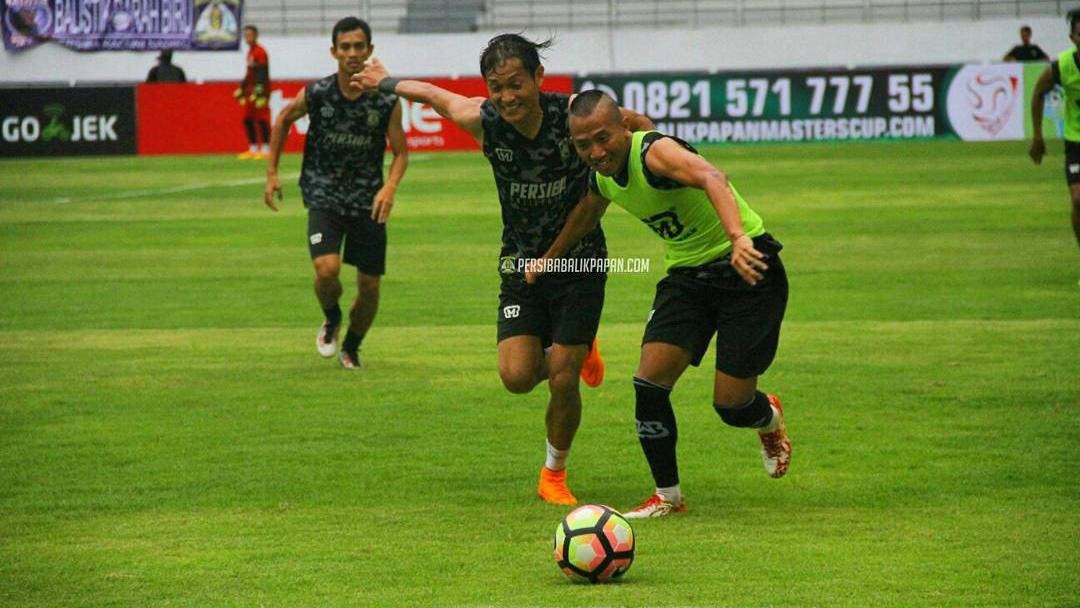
{"points": [[81, 128], [984, 102]]}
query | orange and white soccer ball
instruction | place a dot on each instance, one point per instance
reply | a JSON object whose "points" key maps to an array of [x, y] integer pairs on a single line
{"points": [[595, 543]]}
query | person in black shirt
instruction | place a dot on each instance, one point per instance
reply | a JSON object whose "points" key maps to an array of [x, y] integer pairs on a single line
{"points": [[165, 70], [1025, 51], [546, 331], [342, 183]]}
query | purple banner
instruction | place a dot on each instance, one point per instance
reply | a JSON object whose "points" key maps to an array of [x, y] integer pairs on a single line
{"points": [[128, 25]]}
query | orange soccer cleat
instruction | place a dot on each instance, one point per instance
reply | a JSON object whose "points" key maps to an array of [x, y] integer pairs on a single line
{"points": [[553, 488], [592, 370]]}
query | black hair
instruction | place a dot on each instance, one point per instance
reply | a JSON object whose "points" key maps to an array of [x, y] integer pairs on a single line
{"points": [[585, 103], [512, 46], [350, 24], [165, 56], [252, 28], [1073, 18], [1025, 28]]}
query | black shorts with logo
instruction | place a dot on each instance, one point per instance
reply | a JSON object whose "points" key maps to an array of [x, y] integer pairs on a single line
{"points": [[1072, 162], [557, 309], [365, 239], [692, 304]]}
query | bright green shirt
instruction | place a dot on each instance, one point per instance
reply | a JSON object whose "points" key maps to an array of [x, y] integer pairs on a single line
{"points": [[683, 217], [1070, 81]]}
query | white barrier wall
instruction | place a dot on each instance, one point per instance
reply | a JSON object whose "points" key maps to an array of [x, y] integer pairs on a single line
{"points": [[580, 51]]}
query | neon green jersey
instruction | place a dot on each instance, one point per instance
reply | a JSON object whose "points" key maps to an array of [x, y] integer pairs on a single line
{"points": [[1070, 81], [683, 217]]}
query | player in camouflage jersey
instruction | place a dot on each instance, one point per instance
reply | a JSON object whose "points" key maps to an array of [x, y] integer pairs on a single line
{"points": [[342, 184], [545, 331], [725, 278]]}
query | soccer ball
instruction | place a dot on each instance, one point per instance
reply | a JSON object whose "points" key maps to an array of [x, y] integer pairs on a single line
{"points": [[594, 542]]}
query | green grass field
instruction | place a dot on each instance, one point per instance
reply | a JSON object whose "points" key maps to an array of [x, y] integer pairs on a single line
{"points": [[169, 437]]}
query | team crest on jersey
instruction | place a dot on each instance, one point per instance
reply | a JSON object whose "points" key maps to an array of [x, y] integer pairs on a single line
{"points": [[504, 154], [507, 264], [564, 149], [327, 111], [372, 118]]}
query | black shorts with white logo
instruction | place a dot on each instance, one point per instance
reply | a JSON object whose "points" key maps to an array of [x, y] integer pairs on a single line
{"points": [[1072, 162], [694, 303], [557, 309], [365, 239]]}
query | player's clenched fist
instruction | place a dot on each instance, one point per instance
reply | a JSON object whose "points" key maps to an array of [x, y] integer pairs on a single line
{"points": [[368, 78]]}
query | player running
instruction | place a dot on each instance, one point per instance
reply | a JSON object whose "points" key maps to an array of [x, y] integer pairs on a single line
{"points": [[342, 183], [724, 277], [254, 94], [546, 331], [1064, 71]]}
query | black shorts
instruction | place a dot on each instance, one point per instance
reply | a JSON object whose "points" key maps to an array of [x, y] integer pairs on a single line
{"points": [[365, 239], [562, 310], [1072, 162], [692, 304]]}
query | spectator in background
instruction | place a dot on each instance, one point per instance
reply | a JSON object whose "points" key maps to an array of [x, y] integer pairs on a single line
{"points": [[165, 71], [254, 94], [1025, 51]]}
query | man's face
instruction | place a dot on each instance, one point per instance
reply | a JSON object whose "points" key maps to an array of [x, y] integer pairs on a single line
{"points": [[250, 37], [514, 91], [601, 140], [1025, 36], [1075, 35], [351, 51]]}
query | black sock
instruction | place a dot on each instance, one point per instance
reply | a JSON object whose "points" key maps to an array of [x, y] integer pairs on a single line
{"points": [[351, 343], [657, 431], [333, 314], [264, 130], [755, 414], [249, 126]]}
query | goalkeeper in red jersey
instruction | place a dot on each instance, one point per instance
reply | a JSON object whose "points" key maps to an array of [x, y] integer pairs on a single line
{"points": [[254, 95]]}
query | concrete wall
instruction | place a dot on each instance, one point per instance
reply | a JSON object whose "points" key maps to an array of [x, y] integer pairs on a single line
{"points": [[580, 51]]}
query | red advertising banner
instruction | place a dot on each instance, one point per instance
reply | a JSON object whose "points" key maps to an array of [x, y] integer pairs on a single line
{"points": [[205, 119]]}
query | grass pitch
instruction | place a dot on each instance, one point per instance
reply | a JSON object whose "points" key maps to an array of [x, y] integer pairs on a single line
{"points": [[169, 437]]}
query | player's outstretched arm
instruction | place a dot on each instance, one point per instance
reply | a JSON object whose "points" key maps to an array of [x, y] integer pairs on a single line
{"points": [[296, 110], [579, 222], [668, 158], [384, 198], [464, 111], [1042, 87]]}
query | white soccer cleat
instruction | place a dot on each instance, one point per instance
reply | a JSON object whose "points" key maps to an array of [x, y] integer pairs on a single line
{"points": [[326, 340], [350, 361], [656, 506], [775, 445]]}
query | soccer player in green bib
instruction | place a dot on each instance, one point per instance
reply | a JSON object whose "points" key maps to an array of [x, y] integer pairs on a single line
{"points": [[1064, 71], [724, 277]]}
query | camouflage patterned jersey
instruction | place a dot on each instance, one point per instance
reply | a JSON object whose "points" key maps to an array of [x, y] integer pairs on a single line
{"points": [[540, 181], [343, 153]]}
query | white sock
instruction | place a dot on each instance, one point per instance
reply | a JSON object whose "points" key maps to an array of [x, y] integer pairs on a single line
{"points": [[556, 458], [253, 148], [672, 494], [265, 148], [773, 424]]}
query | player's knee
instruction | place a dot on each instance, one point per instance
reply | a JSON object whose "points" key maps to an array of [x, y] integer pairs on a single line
{"points": [[1076, 201], [518, 382], [327, 269], [564, 381], [369, 285]]}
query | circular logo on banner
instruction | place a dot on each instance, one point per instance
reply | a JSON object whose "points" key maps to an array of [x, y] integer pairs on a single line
{"points": [[30, 18], [985, 102]]}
